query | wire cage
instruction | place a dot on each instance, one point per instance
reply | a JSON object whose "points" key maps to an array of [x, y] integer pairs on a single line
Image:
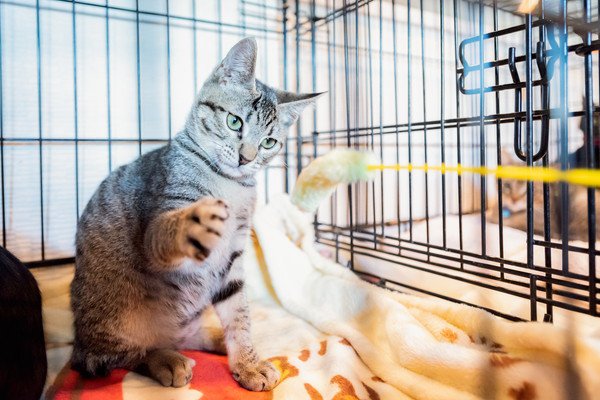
{"points": [[89, 85], [448, 85]]}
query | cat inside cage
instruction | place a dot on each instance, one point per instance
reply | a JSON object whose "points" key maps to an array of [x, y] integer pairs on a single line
{"points": [[289, 199]]}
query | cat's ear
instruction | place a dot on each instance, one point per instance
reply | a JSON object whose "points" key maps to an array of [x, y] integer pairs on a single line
{"points": [[239, 64], [290, 105]]}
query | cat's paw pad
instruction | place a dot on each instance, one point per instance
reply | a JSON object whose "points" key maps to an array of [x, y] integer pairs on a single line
{"points": [[171, 368], [260, 376], [204, 226]]}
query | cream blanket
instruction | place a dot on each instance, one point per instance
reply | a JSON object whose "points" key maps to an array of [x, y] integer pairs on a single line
{"points": [[421, 348], [334, 336]]}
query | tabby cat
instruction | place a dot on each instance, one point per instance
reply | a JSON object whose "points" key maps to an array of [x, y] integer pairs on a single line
{"points": [[163, 237], [514, 207]]}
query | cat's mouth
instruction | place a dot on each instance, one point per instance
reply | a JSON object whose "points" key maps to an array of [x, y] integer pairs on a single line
{"points": [[235, 171]]}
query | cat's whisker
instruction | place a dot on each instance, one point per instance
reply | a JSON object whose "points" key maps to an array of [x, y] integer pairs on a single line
{"points": [[284, 164]]}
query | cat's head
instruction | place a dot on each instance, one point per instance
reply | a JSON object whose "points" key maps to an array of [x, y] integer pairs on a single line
{"points": [[239, 122]]}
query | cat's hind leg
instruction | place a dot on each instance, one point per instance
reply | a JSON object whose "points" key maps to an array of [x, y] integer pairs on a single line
{"points": [[92, 361], [168, 367], [207, 334], [211, 339], [204, 337]]}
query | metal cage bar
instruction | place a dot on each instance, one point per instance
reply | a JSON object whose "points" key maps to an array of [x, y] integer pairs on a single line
{"points": [[479, 121], [266, 22]]}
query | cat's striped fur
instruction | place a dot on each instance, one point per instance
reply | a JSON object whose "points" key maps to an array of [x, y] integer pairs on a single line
{"points": [[163, 237]]}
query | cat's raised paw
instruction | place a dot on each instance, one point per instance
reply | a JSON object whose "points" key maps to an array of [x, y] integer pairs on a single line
{"points": [[203, 227], [261, 376]]}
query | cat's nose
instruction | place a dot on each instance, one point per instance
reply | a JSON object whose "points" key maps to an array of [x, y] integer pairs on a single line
{"points": [[243, 160], [247, 154]]}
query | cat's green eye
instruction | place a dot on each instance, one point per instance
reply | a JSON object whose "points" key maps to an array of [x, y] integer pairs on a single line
{"points": [[268, 143], [234, 122]]}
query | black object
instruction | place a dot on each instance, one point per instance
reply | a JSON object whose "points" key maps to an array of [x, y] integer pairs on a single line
{"points": [[23, 362]]}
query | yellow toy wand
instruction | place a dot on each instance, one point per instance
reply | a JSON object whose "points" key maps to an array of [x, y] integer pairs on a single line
{"points": [[584, 177], [324, 173]]}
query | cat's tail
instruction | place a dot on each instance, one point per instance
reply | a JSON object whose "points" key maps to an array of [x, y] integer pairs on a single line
{"points": [[23, 363]]}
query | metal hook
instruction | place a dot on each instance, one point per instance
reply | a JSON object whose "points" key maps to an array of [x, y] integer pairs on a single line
{"points": [[540, 58], [518, 101], [512, 65]]}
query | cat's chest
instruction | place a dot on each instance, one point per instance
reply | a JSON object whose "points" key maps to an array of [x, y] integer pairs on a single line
{"points": [[241, 200]]}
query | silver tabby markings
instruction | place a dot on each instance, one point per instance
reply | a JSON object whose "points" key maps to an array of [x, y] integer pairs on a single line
{"points": [[163, 237]]}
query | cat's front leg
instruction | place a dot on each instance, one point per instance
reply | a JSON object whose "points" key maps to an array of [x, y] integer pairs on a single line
{"points": [[193, 231], [246, 367]]}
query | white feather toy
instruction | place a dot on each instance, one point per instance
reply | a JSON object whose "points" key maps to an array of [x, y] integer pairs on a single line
{"points": [[323, 174]]}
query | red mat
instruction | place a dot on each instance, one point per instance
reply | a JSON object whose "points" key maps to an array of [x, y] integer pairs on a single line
{"points": [[211, 378]]}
